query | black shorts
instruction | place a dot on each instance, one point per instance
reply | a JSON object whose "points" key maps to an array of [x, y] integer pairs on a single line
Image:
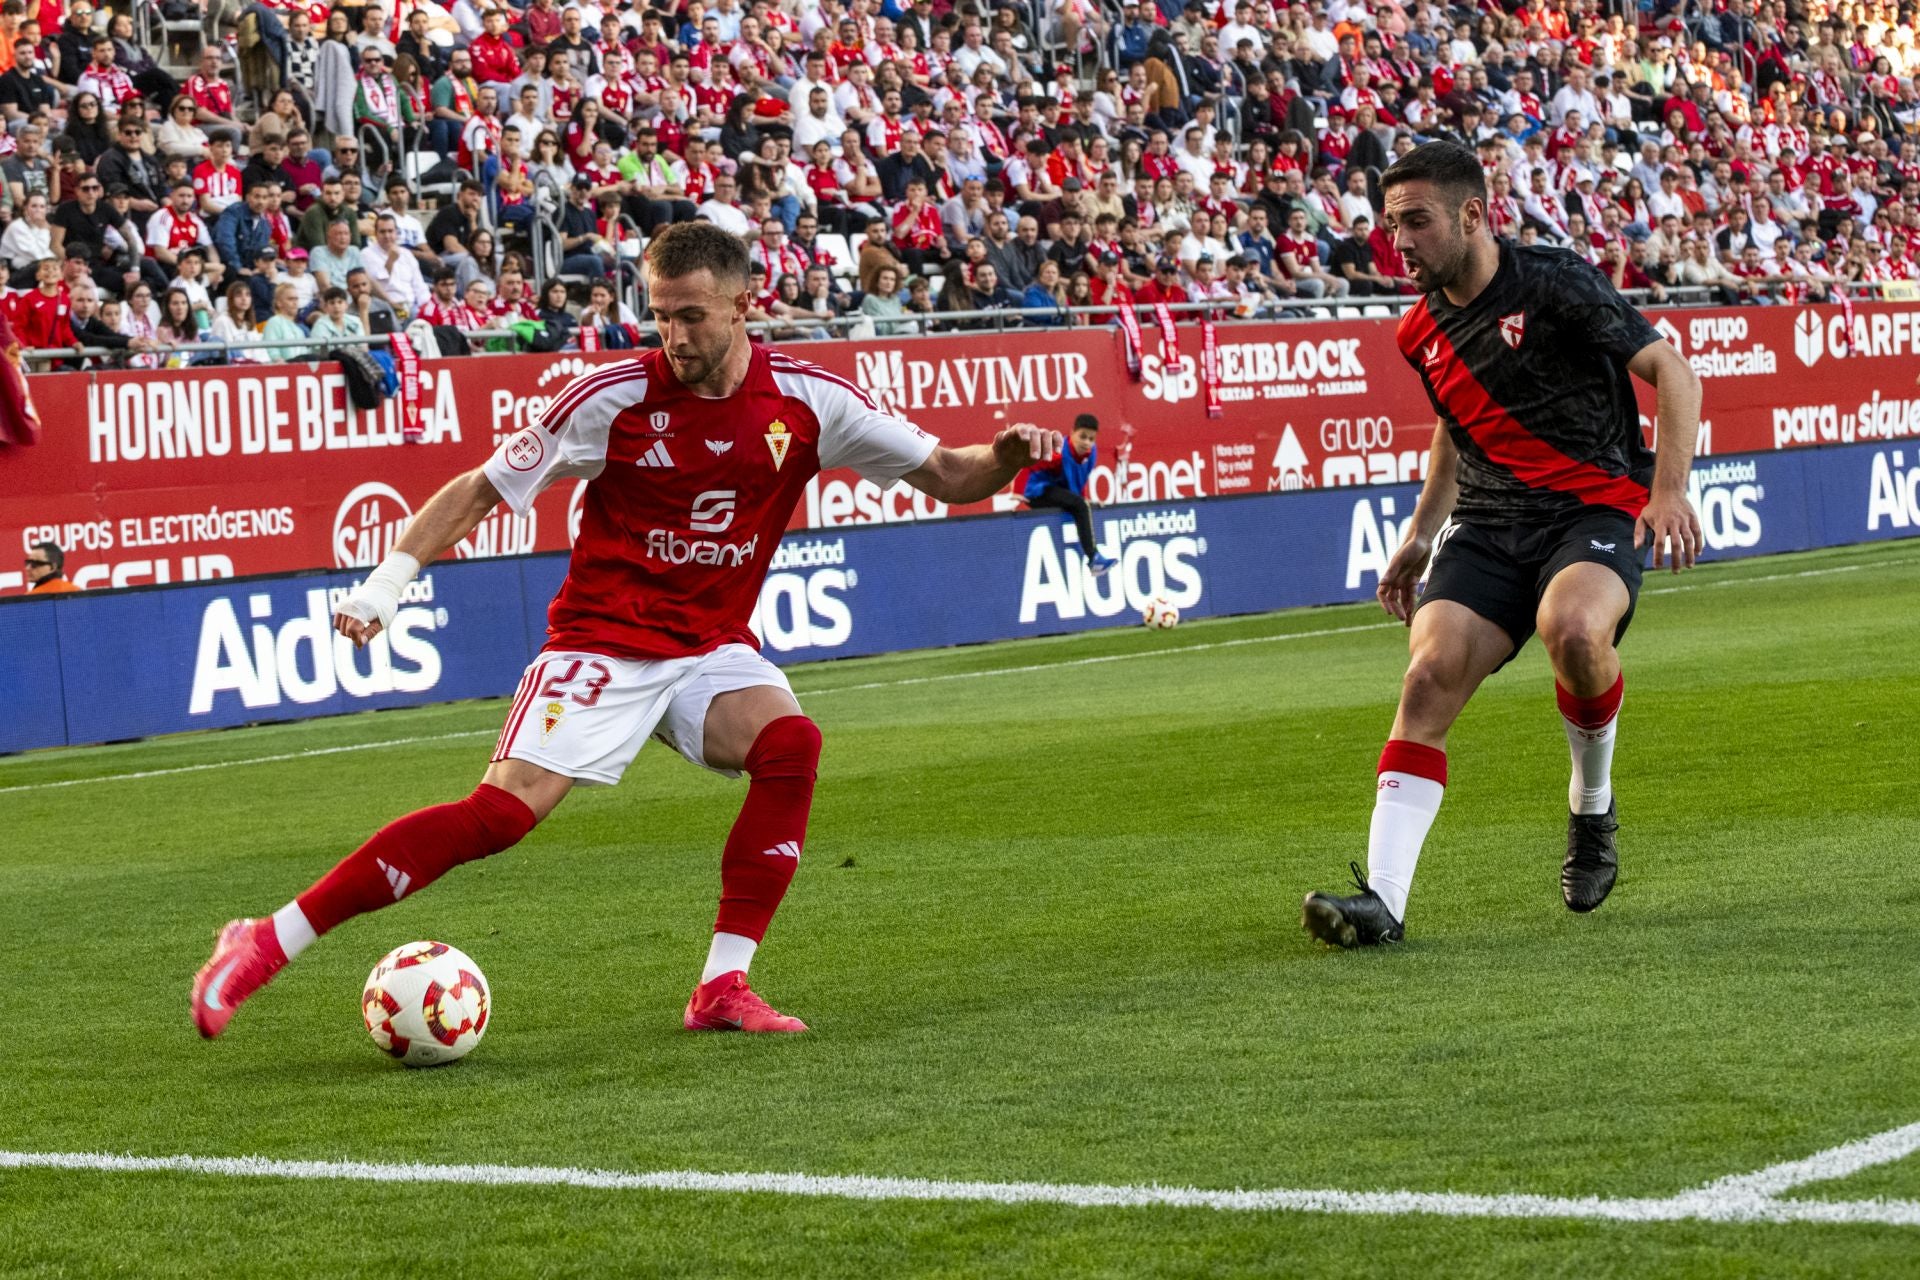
{"points": [[1502, 572]]}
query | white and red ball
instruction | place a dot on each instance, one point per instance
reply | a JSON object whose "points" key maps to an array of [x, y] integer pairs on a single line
{"points": [[1160, 614], [426, 1003]]}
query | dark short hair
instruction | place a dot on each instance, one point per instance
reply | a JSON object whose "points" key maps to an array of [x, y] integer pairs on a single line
{"points": [[1086, 422], [687, 247], [1453, 170], [334, 294], [56, 558]]}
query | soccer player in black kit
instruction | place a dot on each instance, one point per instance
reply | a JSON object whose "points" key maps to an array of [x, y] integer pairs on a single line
{"points": [[1526, 354]]}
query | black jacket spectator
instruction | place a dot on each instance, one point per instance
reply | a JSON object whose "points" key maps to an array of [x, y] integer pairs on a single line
{"points": [[135, 170], [259, 170], [895, 171]]}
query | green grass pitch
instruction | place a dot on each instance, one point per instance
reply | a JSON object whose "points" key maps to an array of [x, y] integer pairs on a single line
{"points": [[1046, 929]]}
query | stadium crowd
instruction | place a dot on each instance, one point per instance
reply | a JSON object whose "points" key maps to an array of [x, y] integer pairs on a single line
{"points": [[897, 163]]}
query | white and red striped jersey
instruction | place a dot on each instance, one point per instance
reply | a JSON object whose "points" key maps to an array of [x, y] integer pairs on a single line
{"points": [[457, 314], [687, 497], [480, 138], [219, 187]]}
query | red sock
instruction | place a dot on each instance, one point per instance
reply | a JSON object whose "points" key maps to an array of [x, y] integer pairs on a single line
{"points": [[1595, 712], [763, 849], [414, 851]]}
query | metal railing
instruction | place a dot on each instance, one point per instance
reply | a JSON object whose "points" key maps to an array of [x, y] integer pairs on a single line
{"points": [[915, 324], [316, 346], [946, 323]]}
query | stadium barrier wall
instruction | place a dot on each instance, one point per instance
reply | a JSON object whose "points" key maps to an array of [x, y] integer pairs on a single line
{"points": [[92, 667], [189, 475]]}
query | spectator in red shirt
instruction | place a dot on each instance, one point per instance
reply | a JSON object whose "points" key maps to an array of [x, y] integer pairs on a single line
{"points": [[542, 20], [917, 234], [1165, 285], [212, 95], [39, 315], [495, 54]]}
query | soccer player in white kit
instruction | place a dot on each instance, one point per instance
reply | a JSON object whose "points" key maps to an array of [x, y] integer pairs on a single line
{"points": [[694, 456]]}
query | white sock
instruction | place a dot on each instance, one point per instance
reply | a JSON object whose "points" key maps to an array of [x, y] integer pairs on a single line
{"points": [[1403, 810], [1590, 725], [1591, 788], [291, 928], [727, 952]]}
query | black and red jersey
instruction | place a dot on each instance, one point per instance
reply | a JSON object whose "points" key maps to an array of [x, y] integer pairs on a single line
{"points": [[1531, 381]]}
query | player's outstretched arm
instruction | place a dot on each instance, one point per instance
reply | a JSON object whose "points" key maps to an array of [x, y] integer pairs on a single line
{"points": [[1437, 496], [978, 471], [449, 516], [1669, 521]]}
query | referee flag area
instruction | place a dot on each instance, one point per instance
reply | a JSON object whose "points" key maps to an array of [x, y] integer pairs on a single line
{"points": [[1046, 933]]}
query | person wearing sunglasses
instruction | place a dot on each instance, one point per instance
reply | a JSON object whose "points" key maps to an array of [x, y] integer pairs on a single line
{"points": [[46, 570]]}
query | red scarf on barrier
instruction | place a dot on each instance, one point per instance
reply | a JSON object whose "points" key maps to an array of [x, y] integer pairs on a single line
{"points": [[1129, 330], [1210, 365], [1846, 315], [590, 337], [406, 362], [1169, 340]]}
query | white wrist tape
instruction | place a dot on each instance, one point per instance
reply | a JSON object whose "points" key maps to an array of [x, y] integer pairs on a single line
{"points": [[377, 599]]}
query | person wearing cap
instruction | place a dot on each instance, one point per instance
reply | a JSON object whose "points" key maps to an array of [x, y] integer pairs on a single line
{"points": [[1165, 285], [584, 250], [1131, 36]]}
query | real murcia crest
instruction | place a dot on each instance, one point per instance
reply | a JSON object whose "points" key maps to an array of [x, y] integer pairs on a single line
{"points": [[778, 442], [550, 720]]}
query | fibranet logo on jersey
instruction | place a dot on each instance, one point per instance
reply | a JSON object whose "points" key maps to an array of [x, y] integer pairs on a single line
{"points": [[300, 659], [902, 385], [1262, 371], [802, 603], [1156, 551], [1728, 496], [1893, 491]]}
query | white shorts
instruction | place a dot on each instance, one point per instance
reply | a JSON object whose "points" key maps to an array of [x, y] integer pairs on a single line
{"points": [[586, 716]]}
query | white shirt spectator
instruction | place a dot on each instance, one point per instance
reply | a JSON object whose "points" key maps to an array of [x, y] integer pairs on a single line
{"points": [[1662, 203], [405, 287], [1570, 99], [725, 216]]}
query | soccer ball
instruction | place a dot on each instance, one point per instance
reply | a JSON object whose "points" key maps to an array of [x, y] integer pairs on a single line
{"points": [[1160, 613], [426, 1003]]}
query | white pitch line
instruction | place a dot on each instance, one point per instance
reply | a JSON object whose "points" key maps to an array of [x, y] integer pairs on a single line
{"points": [[1823, 1166], [1102, 658], [1697, 1206], [233, 764], [1319, 633]]}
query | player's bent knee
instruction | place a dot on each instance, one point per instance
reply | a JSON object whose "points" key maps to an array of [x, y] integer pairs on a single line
{"points": [[540, 790], [1575, 645], [1430, 687], [786, 748]]}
